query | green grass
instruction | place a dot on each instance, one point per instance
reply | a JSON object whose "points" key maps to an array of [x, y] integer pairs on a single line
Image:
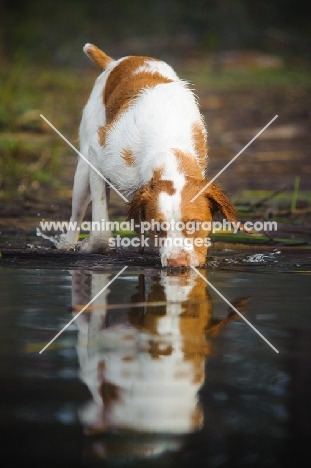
{"points": [[257, 195], [30, 152], [26, 163], [289, 201], [247, 78]]}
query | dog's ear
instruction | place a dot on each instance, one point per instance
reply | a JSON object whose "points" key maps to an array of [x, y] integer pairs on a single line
{"points": [[137, 206], [219, 201]]}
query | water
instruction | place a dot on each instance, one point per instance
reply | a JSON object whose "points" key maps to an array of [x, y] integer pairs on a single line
{"points": [[179, 382]]}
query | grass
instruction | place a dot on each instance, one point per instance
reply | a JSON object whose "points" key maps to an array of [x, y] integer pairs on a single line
{"points": [[26, 164], [287, 201], [248, 78], [30, 153]]}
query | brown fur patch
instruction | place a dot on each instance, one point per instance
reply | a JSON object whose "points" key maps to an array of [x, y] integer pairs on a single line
{"points": [[144, 205], [157, 173], [102, 134], [217, 197], [199, 210], [200, 144], [187, 164], [128, 157], [161, 185], [123, 85], [109, 393]]}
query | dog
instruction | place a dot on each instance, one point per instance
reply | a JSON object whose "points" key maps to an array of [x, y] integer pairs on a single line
{"points": [[143, 131]]}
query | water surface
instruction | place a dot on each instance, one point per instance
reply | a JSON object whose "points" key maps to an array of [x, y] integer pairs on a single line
{"points": [[158, 371]]}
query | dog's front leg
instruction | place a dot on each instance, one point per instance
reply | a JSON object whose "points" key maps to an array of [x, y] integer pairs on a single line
{"points": [[98, 240], [80, 201]]}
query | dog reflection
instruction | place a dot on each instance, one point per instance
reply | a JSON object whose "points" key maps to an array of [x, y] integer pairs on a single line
{"points": [[144, 363]]}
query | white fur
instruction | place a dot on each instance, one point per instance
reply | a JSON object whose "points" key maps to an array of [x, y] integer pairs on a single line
{"points": [[160, 119], [155, 66]]}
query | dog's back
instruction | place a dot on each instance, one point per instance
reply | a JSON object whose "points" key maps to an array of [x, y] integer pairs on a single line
{"points": [[142, 110]]}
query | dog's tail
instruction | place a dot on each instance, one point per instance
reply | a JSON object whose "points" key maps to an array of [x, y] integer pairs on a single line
{"points": [[97, 55]]}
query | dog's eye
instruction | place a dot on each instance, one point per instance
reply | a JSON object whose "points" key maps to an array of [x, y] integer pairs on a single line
{"points": [[157, 231]]}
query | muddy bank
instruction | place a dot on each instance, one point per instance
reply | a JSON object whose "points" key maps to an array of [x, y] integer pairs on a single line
{"points": [[222, 256]]}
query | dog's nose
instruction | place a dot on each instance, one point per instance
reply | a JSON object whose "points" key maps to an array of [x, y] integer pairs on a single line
{"points": [[179, 261]]}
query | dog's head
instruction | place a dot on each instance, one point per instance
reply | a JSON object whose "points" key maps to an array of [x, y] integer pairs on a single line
{"points": [[181, 226]]}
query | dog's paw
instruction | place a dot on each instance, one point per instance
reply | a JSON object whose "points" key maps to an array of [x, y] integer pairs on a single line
{"points": [[62, 242]]}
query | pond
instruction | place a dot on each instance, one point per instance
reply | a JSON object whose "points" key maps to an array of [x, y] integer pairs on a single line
{"points": [[158, 370]]}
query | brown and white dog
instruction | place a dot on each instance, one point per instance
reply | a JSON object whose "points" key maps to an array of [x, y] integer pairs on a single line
{"points": [[142, 130]]}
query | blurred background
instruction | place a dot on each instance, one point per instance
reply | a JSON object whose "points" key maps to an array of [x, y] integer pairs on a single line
{"points": [[247, 61], [53, 31]]}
